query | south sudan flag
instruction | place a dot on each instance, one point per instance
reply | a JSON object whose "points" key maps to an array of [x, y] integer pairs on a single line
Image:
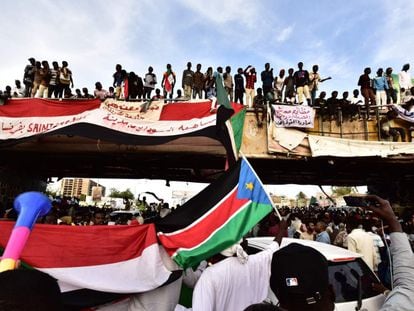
{"points": [[217, 217]]}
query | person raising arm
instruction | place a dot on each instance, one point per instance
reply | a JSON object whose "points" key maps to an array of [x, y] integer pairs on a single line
{"points": [[402, 296]]}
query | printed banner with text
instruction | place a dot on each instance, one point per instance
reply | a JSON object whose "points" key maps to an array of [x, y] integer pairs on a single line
{"points": [[29, 117], [293, 116]]}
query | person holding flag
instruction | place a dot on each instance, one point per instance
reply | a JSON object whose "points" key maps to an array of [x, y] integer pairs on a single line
{"points": [[217, 217], [168, 82], [226, 211]]}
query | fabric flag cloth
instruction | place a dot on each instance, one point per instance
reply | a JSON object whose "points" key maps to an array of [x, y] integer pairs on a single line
{"points": [[122, 122], [115, 121], [404, 114], [216, 218], [169, 80], [230, 122], [234, 133], [116, 259]]}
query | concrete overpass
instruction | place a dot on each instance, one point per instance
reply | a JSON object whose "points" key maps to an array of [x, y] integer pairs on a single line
{"points": [[202, 159]]}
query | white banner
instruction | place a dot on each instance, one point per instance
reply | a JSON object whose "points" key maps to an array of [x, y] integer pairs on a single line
{"points": [[293, 116], [124, 117]]}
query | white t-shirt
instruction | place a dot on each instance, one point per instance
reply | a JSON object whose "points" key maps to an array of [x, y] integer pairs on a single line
{"points": [[231, 285], [361, 242], [278, 83], [404, 80], [357, 100], [18, 92]]}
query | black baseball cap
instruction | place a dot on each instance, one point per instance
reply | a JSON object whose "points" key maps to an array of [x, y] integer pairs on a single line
{"points": [[299, 273], [31, 58]]}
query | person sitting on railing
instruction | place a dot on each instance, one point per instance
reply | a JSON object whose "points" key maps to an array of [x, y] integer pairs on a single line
{"points": [[78, 94], [409, 100], [86, 93], [111, 92], [357, 103], [100, 92], [259, 104], [18, 90], [157, 95], [180, 96], [68, 94], [347, 109], [333, 105], [387, 128], [320, 103]]}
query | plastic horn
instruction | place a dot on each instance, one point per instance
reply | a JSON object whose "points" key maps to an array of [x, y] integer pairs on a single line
{"points": [[29, 206]]}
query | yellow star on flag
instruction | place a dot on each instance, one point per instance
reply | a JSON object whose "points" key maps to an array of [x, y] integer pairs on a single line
{"points": [[249, 186]]}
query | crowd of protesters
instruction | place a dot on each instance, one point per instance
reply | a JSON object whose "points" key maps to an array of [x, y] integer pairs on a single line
{"points": [[69, 211], [299, 87], [342, 227], [297, 274]]}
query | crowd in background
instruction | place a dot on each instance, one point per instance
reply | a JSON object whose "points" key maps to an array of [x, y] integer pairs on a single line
{"points": [[331, 225], [350, 228], [68, 211], [298, 86], [375, 95]]}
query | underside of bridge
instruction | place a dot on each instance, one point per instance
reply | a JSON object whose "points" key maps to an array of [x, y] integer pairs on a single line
{"points": [[197, 159], [283, 155]]}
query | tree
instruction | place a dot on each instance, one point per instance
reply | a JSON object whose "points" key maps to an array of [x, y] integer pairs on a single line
{"points": [[341, 191], [126, 194], [301, 196], [301, 199]]}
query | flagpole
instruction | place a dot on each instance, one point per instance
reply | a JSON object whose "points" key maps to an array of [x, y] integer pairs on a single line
{"points": [[268, 196]]}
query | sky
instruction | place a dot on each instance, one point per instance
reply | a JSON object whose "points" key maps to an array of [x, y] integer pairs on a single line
{"points": [[342, 37]]}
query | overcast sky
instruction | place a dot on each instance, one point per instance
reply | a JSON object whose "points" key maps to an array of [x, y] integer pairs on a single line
{"points": [[343, 37]]}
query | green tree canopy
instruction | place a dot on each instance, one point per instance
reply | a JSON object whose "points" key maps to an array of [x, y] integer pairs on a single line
{"points": [[126, 194], [301, 196], [341, 191]]}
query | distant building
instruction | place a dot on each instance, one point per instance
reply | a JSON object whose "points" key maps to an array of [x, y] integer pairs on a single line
{"points": [[75, 187]]}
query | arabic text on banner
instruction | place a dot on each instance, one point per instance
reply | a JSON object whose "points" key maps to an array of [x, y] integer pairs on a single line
{"points": [[293, 116]]}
